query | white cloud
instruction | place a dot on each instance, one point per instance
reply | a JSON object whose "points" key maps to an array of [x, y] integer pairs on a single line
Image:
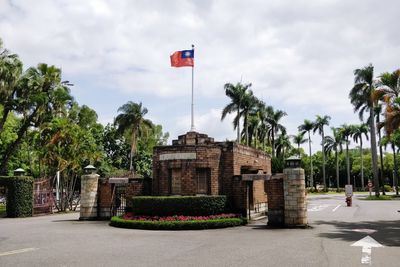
{"points": [[300, 55]]}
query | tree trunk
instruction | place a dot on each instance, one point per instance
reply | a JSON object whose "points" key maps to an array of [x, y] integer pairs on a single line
{"points": [[374, 152], [347, 161], [362, 165], [311, 166], [238, 126], [273, 141], [337, 171], [381, 160], [395, 173], [247, 128], [323, 161], [133, 151]]}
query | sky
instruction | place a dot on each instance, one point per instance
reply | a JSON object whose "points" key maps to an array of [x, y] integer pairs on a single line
{"points": [[299, 56]]}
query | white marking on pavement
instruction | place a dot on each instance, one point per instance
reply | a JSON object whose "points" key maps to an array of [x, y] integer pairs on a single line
{"points": [[367, 243], [318, 207], [17, 251], [336, 208]]}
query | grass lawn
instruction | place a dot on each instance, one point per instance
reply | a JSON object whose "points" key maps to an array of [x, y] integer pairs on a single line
{"points": [[381, 197]]}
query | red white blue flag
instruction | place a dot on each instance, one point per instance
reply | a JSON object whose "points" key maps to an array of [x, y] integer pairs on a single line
{"points": [[184, 58]]}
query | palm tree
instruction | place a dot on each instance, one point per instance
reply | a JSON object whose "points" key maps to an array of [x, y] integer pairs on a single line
{"points": [[273, 119], [377, 112], [319, 124], [299, 140], [249, 104], [10, 72], [236, 93], [361, 96], [346, 131], [307, 127], [262, 112], [131, 118], [358, 132], [334, 143], [282, 144]]}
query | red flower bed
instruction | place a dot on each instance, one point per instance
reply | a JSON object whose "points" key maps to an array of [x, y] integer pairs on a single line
{"points": [[131, 216]]}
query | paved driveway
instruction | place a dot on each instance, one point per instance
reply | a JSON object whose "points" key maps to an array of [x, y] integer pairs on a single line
{"points": [[62, 240]]}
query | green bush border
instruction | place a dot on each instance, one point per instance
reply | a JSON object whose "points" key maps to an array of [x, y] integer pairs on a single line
{"points": [[19, 195], [117, 221], [177, 205]]}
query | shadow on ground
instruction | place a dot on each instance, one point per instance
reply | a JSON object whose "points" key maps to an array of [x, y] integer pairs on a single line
{"points": [[385, 232]]}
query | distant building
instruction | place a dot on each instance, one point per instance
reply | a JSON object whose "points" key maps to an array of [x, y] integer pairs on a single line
{"points": [[197, 165]]}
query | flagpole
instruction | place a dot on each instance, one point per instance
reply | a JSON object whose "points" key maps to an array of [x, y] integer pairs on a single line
{"points": [[192, 129]]}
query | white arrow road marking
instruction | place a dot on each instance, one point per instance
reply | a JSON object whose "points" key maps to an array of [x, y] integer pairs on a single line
{"points": [[17, 251], [366, 243], [364, 230], [336, 208]]}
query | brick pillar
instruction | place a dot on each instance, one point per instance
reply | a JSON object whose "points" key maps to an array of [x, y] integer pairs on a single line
{"points": [[89, 185], [276, 201], [295, 197]]}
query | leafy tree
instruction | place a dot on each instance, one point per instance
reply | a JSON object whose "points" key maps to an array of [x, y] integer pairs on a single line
{"points": [[307, 127], [358, 132], [346, 131], [299, 140], [319, 124], [361, 96], [236, 93], [249, 104], [334, 143], [273, 119], [130, 119]]}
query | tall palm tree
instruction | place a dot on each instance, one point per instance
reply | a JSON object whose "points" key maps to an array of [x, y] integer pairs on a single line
{"points": [[236, 93], [346, 131], [262, 112], [283, 144], [361, 96], [249, 105], [299, 140], [130, 119], [273, 119], [334, 143], [10, 72], [377, 112], [307, 127], [358, 132], [319, 124]]}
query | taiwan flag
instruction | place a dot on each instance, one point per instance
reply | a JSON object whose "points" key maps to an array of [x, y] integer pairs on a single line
{"points": [[184, 58]]}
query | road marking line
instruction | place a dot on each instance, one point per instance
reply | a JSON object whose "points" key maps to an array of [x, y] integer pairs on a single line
{"points": [[17, 251], [336, 208]]}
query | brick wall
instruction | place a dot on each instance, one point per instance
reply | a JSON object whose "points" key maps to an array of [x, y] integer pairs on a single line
{"points": [[276, 201]]}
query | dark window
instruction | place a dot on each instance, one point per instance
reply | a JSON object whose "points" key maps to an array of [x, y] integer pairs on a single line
{"points": [[203, 180]]}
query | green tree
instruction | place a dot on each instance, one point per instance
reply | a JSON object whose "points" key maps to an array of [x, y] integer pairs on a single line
{"points": [[273, 119], [346, 131], [307, 127], [361, 96], [334, 143], [236, 93], [358, 132], [299, 140], [249, 104], [130, 119], [319, 124]]}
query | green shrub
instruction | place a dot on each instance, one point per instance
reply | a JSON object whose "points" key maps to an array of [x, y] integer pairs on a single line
{"points": [[178, 205], [388, 188], [277, 165], [177, 225], [19, 195]]}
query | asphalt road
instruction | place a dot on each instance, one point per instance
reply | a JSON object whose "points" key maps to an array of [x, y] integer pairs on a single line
{"points": [[62, 240]]}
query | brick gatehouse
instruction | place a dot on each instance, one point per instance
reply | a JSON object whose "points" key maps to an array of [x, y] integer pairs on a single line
{"points": [[197, 165]]}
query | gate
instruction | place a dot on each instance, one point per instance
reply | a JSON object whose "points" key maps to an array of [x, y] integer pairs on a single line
{"points": [[118, 200], [43, 200]]}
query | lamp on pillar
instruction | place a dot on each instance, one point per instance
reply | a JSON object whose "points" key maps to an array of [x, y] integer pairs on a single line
{"points": [[19, 172], [90, 169], [293, 162]]}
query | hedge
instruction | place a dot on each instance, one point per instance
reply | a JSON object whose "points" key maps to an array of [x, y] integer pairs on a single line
{"points": [[177, 225], [178, 205], [19, 195]]}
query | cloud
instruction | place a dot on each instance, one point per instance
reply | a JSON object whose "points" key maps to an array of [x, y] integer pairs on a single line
{"points": [[299, 56]]}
